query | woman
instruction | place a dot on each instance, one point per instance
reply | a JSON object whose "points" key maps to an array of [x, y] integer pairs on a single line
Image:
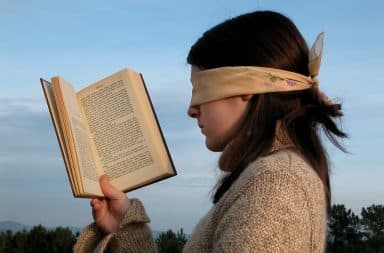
{"points": [[256, 99]]}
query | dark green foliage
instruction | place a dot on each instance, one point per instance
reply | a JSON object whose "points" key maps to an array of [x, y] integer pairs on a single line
{"points": [[169, 242], [372, 222], [344, 233], [37, 240], [6, 241], [349, 233], [19, 242], [62, 240]]}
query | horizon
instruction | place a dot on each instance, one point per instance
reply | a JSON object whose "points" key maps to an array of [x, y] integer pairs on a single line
{"points": [[86, 41]]}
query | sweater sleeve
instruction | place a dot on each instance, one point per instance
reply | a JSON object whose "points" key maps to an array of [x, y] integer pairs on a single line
{"points": [[271, 214], [133, 235]]}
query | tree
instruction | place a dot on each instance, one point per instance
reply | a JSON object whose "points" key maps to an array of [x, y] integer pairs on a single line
{"points": [[6, 241], [38, 240], [181, 237], [373, 225], [19, 242], [62, 240], [169, 242], [344, 233]]}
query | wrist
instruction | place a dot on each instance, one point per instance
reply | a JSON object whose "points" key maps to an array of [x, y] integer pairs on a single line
{"points": [[124, 209]]}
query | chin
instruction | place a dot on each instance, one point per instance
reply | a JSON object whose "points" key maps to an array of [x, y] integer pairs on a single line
{"points": [[215, 147]]}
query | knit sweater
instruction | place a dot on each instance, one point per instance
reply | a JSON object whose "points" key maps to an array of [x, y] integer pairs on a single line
{"points": [[276, 205]]}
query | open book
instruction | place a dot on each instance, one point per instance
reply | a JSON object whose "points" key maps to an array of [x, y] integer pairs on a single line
{"points": [[109, 127]]}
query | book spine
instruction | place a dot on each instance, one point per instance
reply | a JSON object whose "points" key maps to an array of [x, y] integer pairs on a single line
{"points": [[158, 125]]}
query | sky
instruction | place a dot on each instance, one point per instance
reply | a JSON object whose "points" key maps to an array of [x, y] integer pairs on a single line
{"points": [[84, 41]]}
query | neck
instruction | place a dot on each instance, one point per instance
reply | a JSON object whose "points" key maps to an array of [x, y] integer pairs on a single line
{"points": [[281, 140]]}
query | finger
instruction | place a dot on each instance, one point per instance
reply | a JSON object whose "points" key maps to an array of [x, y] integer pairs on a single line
{"points": [[108, 190], [95, 202], [96, 205], [99, 211]]}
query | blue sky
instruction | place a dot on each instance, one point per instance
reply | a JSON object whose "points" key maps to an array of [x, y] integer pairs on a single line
{"points": [[84, 41]]}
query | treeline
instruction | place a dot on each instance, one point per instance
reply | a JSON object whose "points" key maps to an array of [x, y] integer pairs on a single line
{"points": [[62, 240], [347, 232], [38, 240]]}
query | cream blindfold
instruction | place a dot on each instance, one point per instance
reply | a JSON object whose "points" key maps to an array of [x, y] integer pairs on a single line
{"points": [[213, 84]]}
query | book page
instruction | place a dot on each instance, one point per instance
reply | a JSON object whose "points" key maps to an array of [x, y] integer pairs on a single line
{"points": [[122, 136], [149, 118], [49, 96], [83, 152], [117, 134]]}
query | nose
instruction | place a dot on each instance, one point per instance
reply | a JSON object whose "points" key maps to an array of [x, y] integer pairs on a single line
{"points": [[194, 111]]}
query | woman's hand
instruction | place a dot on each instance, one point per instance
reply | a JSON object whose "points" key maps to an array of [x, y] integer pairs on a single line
{"points": [[109, 211]]}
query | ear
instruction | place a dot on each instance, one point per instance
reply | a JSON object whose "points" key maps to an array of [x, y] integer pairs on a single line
{"points": [[246, 97]]}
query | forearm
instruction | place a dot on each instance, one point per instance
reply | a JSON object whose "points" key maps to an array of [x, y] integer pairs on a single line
{"points": [[133, 234], [134, 237]]}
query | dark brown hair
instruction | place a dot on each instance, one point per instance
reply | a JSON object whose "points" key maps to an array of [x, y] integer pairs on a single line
{"points": [[269, 39]]}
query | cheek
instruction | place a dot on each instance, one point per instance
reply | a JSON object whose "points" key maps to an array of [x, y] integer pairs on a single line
{"points": [[227, 121], [222, 121], [216, 121], [220, 130]]}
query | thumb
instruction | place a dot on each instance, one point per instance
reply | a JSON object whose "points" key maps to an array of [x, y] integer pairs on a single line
{"points": [[109, 190]]}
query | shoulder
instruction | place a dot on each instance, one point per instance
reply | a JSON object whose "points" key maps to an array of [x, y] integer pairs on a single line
{"points": [[285, 163], [278, 192], [284, 171]]}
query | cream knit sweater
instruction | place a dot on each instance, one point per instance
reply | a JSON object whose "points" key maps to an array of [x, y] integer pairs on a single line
{"points": [[276, 205]]}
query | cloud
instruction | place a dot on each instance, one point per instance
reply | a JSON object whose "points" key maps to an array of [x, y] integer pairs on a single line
{"points": [[25, 131], [32, 172], [16, 106]]}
